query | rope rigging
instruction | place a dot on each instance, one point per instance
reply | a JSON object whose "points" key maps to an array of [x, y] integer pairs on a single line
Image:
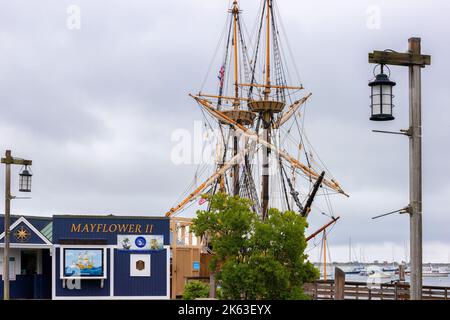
{"points": [[269, 134]]}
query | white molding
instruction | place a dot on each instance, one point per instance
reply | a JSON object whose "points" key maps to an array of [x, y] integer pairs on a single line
{"points": [[27, 246], [53, 273], [25, 221], [111, 272], [168, 288], [84, 245]]}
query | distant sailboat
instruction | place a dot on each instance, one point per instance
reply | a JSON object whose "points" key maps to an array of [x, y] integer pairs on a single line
{"points": [[358, 269]]}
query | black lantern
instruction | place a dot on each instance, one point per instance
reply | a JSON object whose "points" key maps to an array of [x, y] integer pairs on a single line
{"points": [[25, 180], [381, 97]]}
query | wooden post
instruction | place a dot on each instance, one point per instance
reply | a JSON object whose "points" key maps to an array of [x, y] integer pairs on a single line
{"points": [[339, 284], [212, 285], [7, 225], [8, 160], [415, 172], [395, 291], [401, 273], [316, 291]]}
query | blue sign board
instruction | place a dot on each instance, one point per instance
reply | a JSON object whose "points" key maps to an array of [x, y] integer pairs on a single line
{"points": [[196, 266]]}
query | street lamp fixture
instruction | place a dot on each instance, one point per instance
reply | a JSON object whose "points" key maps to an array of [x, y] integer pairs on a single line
{"points": [[25, 180], [24, 186], [381, 97], [382, 105]]}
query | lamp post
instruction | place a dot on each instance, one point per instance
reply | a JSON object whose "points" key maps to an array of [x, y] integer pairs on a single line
{"points": [[414, 60], [24, 186]]}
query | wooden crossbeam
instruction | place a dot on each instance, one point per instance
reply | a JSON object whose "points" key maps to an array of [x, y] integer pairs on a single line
{"points": [[16, 161], [399, 59]]}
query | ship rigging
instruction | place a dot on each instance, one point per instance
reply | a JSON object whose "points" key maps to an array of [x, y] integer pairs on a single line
{"points": [[257, 114]]}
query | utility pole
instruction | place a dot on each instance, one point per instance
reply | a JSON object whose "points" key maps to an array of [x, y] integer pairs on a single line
{"points": [[6, 226], [415, 174], [415, 61], [8, 160]]}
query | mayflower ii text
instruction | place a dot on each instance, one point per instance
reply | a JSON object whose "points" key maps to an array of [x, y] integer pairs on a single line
{"points": [[111, 228]]}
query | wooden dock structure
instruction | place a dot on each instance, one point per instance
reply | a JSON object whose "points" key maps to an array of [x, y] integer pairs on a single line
{"points": [[329, 290]]}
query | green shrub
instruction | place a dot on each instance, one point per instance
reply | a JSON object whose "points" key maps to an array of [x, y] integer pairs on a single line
{"points": [[195, 289]]}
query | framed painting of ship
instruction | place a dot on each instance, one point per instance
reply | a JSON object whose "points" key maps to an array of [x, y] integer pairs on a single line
{"points": [[85, 263]]}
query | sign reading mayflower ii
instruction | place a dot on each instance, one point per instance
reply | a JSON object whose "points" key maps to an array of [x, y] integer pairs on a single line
{"points": [[111, 228]]}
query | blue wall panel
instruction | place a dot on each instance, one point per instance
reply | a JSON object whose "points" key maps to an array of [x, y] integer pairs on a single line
{"points": [[21, 288], [155, 285]]}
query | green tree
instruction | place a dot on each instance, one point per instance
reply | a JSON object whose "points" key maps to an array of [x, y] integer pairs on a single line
{"points": [[255, 259], [195, 289]]}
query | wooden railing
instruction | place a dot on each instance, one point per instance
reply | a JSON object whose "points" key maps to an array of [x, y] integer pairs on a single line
{"points": [[325, 290]]}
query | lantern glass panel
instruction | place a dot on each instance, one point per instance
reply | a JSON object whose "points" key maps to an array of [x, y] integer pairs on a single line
{"points": [[376, 99], [386, 99], [386, 109], [376, 89], [376, 109]]}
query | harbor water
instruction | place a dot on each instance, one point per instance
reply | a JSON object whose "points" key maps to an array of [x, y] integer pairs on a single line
{"points": [[435, 280]]}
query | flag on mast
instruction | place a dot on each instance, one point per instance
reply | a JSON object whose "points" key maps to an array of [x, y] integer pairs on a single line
{"points": [[221, 75]]}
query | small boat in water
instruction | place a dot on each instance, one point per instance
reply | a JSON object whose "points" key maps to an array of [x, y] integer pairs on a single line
{"points": [[355, 270], [430, 271], [376, 272], [392, 269]]}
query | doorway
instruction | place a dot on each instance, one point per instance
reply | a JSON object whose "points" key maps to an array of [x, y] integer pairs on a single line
{"points": [[35, 271]]}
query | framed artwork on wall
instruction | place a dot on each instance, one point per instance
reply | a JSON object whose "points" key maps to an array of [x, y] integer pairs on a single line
{"points": [[140, 265]]}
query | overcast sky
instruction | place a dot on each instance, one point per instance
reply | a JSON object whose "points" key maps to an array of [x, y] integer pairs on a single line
{"points": [[95, 107]]}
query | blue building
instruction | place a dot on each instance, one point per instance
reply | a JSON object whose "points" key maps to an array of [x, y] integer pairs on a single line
{"points": [[30, 261], [88, 257]]}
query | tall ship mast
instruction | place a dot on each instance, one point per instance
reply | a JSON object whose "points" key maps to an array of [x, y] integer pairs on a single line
{"points": [[256, 118]]}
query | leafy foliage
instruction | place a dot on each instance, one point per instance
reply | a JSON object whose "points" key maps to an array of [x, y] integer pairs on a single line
{"points": [[255, 259], [195, 289]]}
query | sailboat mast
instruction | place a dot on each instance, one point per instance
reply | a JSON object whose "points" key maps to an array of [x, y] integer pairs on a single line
{"points": [[266, 121], [235, 12], [267, 90], [236, 103], [350, 249]]}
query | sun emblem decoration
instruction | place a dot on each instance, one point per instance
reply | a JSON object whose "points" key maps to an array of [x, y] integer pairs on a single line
{"points": [[22, 234]]}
